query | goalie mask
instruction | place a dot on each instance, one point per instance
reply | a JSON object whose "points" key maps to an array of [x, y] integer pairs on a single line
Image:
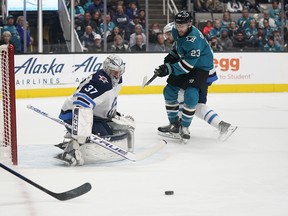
{"points": [[114, 66]]}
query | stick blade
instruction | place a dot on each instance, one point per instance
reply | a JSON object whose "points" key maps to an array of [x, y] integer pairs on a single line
{"points": [[144, 81], [151, 151], [76, 192]]}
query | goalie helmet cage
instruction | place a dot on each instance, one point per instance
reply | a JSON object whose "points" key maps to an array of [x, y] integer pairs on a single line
{"points": [[8, 135]]}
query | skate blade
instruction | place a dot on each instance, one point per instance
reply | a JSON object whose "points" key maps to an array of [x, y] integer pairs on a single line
{"points": [[169, 135], [225, 136]]}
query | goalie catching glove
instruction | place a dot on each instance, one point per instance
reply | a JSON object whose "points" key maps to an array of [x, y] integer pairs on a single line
{"points": [[124, 120]]}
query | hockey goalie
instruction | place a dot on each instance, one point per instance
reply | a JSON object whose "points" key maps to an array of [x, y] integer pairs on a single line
{"points": [[93, 109]]}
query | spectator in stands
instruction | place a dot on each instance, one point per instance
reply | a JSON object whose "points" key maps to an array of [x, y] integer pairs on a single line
{"points": [[239, 41], [98, 43], [15, 38], [120, 18], [271, 46], [207, 28], [215, 31], [142, 18], [161, 46], [109, 26], [244, 21], [6, 38], [275, 10], [214, 6], [277, 36], [85, 4], [140, 45], [88, 39], [153, 32], [215, 45], [110, 38], [97, 5], [137, 31], [132, 10], [252, 6], [97, 18], [119, 45], [261, 40], [234, 6], [127, 2], [200, 6], [114, 6], [80, 28], [20, 28], [267, 29], [251, 34], [78, 10], [233, 28], [226, 19], [224, 39], [130, 28], [271, 21]]}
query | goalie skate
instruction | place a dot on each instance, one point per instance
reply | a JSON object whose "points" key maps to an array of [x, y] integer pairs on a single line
{"points": [[73, 158], [226, 130]]}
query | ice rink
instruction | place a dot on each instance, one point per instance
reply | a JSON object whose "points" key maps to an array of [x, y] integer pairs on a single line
{"points": [[245, 176]]}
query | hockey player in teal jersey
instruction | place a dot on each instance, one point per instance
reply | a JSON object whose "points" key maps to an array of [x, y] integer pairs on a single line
{"points": [[202, 110], [188, 67]]}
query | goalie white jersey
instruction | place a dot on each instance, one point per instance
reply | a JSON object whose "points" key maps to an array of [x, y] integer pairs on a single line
{"points": [[95, 92]]}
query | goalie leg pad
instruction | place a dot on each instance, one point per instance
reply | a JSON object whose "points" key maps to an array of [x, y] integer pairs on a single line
{"points": [[93, 153]]}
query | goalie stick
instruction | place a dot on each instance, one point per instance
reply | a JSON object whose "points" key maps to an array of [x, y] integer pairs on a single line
{"points": [[76, 192], [105, 143]]}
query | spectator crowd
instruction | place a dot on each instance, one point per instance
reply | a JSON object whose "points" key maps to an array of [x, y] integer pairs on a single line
{"points": [[125, 27], [234, 25], [255, 27]]}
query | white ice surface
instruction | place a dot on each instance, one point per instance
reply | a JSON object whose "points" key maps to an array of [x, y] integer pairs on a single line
{"points": [[245, 176]]}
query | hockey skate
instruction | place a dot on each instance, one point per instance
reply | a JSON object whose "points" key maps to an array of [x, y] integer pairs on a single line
{"points": [[226, 130], [170, 131], [71, 155], [184, 134]]}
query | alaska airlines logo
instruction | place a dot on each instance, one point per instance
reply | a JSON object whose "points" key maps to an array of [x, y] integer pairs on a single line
{"points": [[31, 66], [89, 65]]}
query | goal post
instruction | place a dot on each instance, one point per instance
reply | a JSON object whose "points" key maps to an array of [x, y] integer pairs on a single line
{"points": [[8, 134]]}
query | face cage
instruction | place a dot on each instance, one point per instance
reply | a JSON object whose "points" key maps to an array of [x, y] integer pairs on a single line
{"points": [[114, 80]]}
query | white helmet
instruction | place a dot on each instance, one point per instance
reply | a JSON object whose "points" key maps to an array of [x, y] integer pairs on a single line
{"points": [[114, 63], [168, 27]]}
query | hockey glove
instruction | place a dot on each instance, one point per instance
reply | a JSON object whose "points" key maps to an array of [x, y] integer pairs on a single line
{"points": [[124, 120], [172, 57], [163, 70]]}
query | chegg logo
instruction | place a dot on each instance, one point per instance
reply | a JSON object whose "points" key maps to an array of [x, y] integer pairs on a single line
{"points": [[226, 64]]}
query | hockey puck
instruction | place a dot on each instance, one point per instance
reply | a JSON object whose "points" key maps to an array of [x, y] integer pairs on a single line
{"points": [[169, 192]]}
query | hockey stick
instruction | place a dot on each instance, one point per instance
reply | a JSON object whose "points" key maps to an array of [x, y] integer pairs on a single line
{"points": [[105, 143], [76, 192], [149, 81]]}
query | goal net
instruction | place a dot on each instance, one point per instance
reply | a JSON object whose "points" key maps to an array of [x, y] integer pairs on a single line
{"points": [[8, 137]]}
